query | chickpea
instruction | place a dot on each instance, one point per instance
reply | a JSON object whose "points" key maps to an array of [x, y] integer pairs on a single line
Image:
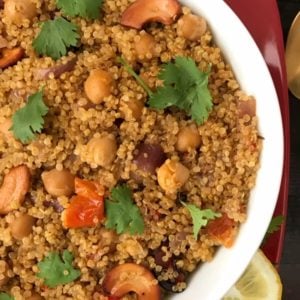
{"points": [[3, 273], [16, 11], [191, 27], [102, 151], [22, 226], [98, 85], [58, 183], [172, 175], [145, 46], [188, 139], [131, 109]]}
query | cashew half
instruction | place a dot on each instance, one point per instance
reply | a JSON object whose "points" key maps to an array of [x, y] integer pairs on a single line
{"points": [[144, 11], [131, 277], [10, 57], [16, 185]]}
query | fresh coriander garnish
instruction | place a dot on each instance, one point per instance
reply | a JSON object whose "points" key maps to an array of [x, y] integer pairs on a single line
{"points": [[28, 120], [185, 87], [275, 224], [121, 212], [56, 271], [200, 217], [55, 37], [5, 296], [89, 9]]}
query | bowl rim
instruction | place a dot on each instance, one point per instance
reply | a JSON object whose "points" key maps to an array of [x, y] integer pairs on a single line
{"points": [[259, 84], [271, 31]]}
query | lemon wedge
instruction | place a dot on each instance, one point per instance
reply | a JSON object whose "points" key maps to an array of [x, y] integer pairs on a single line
{"points": [[292, 57], [260, 281]]}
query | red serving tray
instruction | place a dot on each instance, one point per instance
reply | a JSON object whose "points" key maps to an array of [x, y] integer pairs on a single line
{"points": [[268, 35]]}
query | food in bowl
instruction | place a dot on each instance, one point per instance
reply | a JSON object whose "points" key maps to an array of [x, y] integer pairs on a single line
{"points": [[128, 149]]}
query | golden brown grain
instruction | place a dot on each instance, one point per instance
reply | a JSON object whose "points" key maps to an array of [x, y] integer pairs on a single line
{"points": [[221, 172]]}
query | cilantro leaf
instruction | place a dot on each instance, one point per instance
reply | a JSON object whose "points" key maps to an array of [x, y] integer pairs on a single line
{"points": [[28, 121], [55, 37], [275, 224], [122, 214], [185, 87], [56, 271], [89, 9], [5, 296], [200, 217]]}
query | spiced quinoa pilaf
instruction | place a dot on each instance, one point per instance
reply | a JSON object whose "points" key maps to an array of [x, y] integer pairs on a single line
{"points": [[100, 185]]}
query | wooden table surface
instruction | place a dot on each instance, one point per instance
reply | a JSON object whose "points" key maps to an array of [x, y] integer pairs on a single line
{"points": [[290, 264]]}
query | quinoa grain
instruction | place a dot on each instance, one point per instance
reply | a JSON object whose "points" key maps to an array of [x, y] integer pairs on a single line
{"points": [[217, 165]]}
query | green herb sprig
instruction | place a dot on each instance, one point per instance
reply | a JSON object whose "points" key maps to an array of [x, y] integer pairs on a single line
{"points": [[55, 270], [28, 120], [122, 213], [184, 86], [55, 37], [89, 9], [200, 217]]}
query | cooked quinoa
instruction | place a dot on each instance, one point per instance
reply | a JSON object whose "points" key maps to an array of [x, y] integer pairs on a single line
{"points": [[222, 170]]}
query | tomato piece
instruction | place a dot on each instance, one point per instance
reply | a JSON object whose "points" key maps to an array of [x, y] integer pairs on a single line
{"points": [[86, 209], [88, 189], [83, 212], [223, 230]]}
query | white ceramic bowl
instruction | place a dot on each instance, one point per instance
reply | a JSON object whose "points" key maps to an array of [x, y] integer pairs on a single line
{"points": [[212, 280]]}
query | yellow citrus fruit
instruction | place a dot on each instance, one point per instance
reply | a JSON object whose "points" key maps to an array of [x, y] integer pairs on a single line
{"points": [[260, 281], [292, 57]]}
